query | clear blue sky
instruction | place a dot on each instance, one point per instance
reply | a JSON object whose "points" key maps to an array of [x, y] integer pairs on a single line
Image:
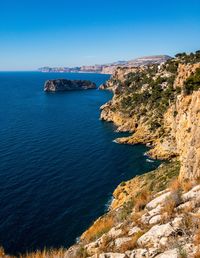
{"points": [[35, 33]]}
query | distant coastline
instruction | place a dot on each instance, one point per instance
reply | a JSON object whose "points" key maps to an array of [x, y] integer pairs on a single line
{"points": [[107, 68]]}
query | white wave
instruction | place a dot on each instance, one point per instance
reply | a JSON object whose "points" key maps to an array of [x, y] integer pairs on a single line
{"points": [[149, 160], [115, 141], [107, 205]]}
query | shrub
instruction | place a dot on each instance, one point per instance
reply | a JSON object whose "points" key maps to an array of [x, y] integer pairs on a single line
{"points": [[125, 211], [130, 245], [182, 253], [192, 83], [81, 252], [174, 185], [169, 207], [141, 200]]}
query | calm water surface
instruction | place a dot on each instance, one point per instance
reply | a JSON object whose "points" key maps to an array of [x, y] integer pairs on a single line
{"points": [[58, 164]]}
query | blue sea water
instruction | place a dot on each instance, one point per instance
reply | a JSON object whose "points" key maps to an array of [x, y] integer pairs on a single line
{"points": [[58, 162]]}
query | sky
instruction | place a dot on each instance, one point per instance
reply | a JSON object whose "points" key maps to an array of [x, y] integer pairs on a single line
{"points": [[53, 33]]}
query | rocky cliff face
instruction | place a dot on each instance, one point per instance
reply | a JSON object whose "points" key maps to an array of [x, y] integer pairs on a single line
{"points": [[185, 127], [184, 71], [68, 85], [164, 116], [156, 214]]}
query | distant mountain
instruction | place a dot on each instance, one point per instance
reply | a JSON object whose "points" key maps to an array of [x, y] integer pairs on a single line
{"points": [[146, 60], [110, 67]]}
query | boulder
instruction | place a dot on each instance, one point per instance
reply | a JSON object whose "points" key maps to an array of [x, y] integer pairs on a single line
{"points": [[155, 219], [141, 252], [154, 235], [148, 215], [109, 255], [158, 200], [194, 193], [134, 230], [115, 232], [120, 241], [168, 254]]}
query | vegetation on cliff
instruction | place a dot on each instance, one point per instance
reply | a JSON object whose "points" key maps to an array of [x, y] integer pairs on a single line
{"points": [[151, 89], [193, 82]]}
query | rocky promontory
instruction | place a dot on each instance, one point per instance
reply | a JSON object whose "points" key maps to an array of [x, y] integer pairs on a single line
{"points": [[68, 85]]}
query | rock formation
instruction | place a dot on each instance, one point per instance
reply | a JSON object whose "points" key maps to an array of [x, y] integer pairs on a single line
{"points": [[68, 85]]}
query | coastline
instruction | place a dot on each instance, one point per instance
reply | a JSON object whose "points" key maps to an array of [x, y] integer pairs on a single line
{"points": [[167, 136], [155, 214]]}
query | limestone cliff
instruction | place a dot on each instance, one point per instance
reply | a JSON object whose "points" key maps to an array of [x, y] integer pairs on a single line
{"points": [[156, 214], [160, 105]]}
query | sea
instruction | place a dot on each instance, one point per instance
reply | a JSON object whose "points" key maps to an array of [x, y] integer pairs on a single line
{"points": [[59, 163]]}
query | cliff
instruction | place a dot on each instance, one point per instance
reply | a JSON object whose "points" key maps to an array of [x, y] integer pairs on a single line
{"points": [[156, 214], [160, 105], [68, 85]]}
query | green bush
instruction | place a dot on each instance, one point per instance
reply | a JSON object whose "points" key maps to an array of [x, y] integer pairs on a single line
{"points": [[192, 83]]}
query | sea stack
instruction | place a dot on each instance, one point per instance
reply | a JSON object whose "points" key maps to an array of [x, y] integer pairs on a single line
{"points": [[68, 85]]}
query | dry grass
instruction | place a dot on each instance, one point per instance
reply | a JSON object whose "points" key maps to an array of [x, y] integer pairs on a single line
{"points": [[197, 254], [188, 208], [2, 253], [52, 253], [136, 219], [190, 225], [197, 237], [168, 208], [101, 226], [177, 185], [141, 200], [81, 253], [197, 180], [187, 185], [174, 185], [130, 245], [105, 244]]}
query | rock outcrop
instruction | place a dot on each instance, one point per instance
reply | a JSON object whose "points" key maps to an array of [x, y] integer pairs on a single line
{"points": [[68, 85]]}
